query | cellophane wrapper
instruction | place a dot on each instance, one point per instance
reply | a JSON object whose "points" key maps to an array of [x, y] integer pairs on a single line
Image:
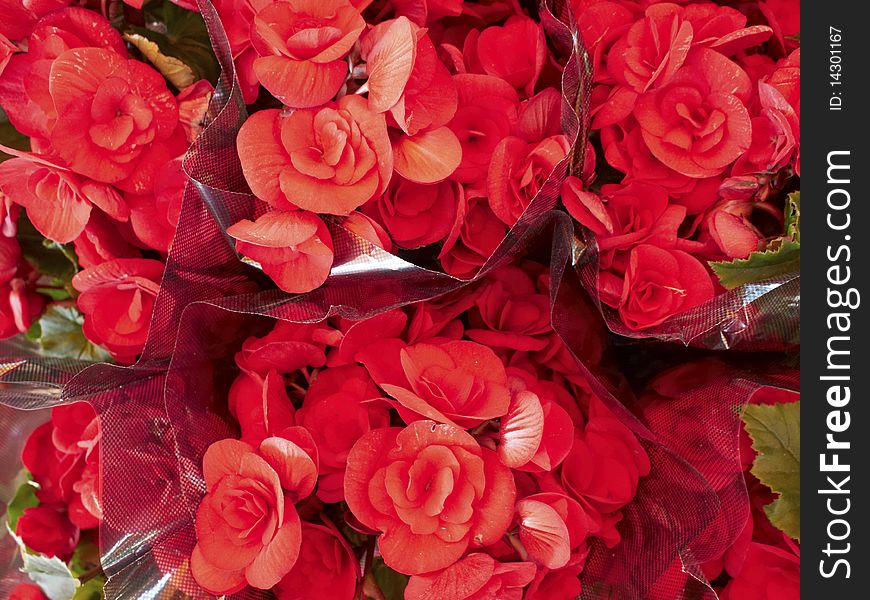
{"points": [[159, 415]]}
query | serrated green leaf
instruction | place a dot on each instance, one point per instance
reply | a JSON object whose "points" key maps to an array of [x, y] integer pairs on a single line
{"points": [[793, 216], [391, 583], [25, 497], [775, 430], [781, 258], [62, 336]]}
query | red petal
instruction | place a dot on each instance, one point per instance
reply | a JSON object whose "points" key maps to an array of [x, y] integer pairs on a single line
{"points": [[295, 468], [213, 580], [413, 554], [362, 462], [300, 83], [223, 458], [389, 51], [279, 555], [276, 229], [262, 156], [496, 508], [543, 534], [427, 157], [521, 430]]}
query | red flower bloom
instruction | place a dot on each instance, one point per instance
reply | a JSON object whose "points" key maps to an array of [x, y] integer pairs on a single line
{"points": [[260, 405], [510, 312], [514, 52], [698, 124], [417, 215], [248, 531], [58, 201], [154, 216], [327, 160], [486, 114], [518, 171], [622, 216], [476, 234], [116, 120], [47, 529], [301, 46], [432, 491], [456, 382], [102, 241], [659, 283], [293, 248], [650, 52], [326, 568], [477, 576], [604, 466], [769, 573], [117, 299], [338, 411]]}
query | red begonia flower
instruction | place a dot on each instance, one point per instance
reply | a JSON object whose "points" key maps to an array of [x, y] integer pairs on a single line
{"points": [[431, 490], [518, 171], [47, 529], [326, 568], [293, 248], [154, 216], [117, 299], [698, 124], [487, 112], [116, 120], [650, 52], [24, 85], [416, 214], [301, 46], [327, 160], [605, 464], [58, 201], [660, 283], [260, 405], [514, 52], [100, 242], [477, 576], [456, 382], [337, 414], [248, 531], [622, 216]]}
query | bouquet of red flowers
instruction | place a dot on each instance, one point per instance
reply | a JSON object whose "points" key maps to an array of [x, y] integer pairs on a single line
{"points": [[369, 274]]}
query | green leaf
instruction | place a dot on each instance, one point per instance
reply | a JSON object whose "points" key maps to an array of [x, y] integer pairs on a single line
{"points": [[91, 590], [180, 34], [61, 335], [775, 430], [86, 557], [25, 497], [58, 261], [51, 575], [391, 583], [781, 257], [793, 216]]}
